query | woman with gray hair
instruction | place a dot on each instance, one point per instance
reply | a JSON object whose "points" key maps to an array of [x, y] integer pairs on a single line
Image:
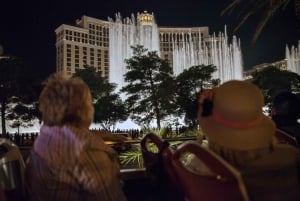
{"points": [[67, 162]]}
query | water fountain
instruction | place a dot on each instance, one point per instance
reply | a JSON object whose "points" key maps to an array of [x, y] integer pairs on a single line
{"points": [[143, 30], [124, 33], [227, 58], [293, 58], [127, 32]]}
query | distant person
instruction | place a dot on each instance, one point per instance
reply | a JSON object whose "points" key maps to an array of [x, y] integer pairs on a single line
{"points": [[17, 139], [232, 119], [286, 112], [67, 162]]}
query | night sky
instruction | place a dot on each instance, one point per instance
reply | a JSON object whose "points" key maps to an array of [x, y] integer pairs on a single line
{"points": [[27, 27]]}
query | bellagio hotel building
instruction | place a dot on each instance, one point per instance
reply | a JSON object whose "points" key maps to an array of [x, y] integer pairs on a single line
{"points": [[87, 43]]}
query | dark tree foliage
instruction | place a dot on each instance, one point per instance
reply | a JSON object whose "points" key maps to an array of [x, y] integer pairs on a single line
{"points": [[97, 84], [108, 105], [272, 81], [189, 84], [9, 73], [19, 91], [109, 110], [150, 87]]}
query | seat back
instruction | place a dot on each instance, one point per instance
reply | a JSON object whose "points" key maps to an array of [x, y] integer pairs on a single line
{"points": [[12, 169], [207, 176], [157, 156], [151, 147], [285, 138]]}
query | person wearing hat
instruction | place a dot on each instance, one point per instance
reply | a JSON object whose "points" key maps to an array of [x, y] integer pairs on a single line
{"points": [[232, 119]]}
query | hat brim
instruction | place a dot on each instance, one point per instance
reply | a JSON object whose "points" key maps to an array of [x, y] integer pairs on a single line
{"points": [[255, 137]]}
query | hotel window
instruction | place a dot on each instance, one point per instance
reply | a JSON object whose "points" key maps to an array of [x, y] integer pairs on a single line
{"points": [[99, 55], [106, 53], [83, 58], [69, 49]]}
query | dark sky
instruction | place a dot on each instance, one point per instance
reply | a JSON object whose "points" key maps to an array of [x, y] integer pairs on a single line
{"points": [[27, 27]]}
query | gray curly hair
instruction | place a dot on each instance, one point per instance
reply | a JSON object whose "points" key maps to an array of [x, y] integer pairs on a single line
{"points": [[66, 101]]}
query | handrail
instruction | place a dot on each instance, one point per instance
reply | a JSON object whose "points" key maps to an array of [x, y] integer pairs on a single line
{"points": [[135, 141]]}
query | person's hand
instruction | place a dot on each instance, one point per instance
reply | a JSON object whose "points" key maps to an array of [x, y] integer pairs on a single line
{"points": [[205, 103], [207, 94]]}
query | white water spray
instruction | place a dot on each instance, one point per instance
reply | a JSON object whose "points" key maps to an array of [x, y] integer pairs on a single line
{"points": [[293, 58], [127, 32], [124, 33], [226, 57]]}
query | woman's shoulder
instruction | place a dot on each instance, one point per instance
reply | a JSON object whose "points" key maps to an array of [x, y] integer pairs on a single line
{"points": [[287, 150], [281, 155], [85, 135], [92, 141]]}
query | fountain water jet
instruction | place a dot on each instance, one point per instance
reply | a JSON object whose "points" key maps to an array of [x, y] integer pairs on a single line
{"points": [[216, 50], [293, 58], [124, 33], [227, 58]]}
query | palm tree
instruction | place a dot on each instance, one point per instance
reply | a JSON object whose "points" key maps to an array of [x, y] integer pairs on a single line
{"points": [[267, 8]]}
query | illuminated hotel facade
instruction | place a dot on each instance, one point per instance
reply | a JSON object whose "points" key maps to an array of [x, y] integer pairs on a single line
{"points": [[90, 42], [87, 43]]}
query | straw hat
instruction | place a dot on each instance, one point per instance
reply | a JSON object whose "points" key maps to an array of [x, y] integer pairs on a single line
{"points": [[237, 120]]}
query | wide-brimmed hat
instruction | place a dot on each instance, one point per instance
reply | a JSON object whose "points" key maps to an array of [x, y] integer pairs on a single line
{"points": [[237, 120]]}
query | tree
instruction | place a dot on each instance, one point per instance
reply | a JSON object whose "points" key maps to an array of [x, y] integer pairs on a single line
{"points": [[24, 108], [272, 80], [268, 8], [19, 91], [109, 110], [108, 105], [150, 86], [9, 89], [189, 84], [97, 84]]}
